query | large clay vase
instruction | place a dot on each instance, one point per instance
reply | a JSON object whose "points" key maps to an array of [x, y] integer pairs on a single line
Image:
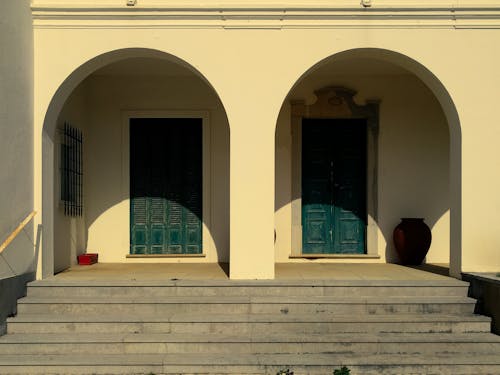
{"points": [[412, 238]]}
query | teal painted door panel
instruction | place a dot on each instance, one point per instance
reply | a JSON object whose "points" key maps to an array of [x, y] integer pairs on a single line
{"points": [[316, 191], [165, 186], [333, 186]]}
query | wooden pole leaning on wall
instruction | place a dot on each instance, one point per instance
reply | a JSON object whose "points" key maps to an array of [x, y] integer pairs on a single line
{"points": [[16, 231]]}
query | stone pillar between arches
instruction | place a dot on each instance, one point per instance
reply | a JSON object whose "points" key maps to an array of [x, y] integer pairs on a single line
{"points": [[251, 197]]}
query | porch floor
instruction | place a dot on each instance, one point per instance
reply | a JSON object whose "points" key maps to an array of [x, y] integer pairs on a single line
{"points": [[214, 271]]}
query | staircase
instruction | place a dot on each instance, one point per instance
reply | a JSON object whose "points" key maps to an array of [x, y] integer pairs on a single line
{"points": [[248, 327]]}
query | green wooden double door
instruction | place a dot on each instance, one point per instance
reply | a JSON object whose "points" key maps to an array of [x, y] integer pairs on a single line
{"points": [[166, 186], [333, 186]]}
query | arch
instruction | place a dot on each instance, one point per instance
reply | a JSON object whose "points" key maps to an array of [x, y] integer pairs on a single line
{"points": [[447, 105], [84, 70], [404, 61], [48, 136]]}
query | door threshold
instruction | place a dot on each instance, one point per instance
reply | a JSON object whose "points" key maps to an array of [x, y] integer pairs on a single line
{"points": [[335, 256], [166, 255]]}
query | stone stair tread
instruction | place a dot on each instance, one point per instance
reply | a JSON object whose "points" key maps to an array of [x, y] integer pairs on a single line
{"points": [[215, 359], [438, 282], [325, 359], [139, 300], [81, 338], [237, 317], [61, 325], [246, 299], [80, 360]]}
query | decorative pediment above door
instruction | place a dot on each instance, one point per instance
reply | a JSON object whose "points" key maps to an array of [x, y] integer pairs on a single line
{"points": [[337, 102]]}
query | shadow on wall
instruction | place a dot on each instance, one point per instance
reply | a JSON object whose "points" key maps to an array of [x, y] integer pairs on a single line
{"points": [[103, 98], [177, 184], [21, 255], [485, 288], [413, 149], [17, 267], [11, 289]]}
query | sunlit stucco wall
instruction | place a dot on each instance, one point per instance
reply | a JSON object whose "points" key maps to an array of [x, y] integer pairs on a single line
{"points": [[16, 135], [252, 71], [102, 103], [413, 159], [69, 240]]}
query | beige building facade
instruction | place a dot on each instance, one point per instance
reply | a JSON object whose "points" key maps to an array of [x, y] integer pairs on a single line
{"points": [[421, 76]]}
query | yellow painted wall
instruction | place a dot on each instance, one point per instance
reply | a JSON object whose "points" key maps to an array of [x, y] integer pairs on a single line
{"points": [[70, 239], [413, 147], [107, 98], [253, 66], [413, 159]]}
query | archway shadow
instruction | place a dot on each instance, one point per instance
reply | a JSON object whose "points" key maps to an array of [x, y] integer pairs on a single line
{"points": [[419, 153], [106, 93]]}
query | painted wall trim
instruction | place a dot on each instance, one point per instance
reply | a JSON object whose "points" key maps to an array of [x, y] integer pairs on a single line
{"points": [[273, 14]]}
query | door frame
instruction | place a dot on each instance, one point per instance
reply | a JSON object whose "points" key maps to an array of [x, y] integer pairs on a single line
{"points": [[336, 103], [208, 245]]}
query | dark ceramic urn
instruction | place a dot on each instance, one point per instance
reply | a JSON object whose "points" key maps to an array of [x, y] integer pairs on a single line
{"points": [[412, 238]]}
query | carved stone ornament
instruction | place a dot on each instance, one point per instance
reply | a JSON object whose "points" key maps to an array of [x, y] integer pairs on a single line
{"points": [[337, 102]]}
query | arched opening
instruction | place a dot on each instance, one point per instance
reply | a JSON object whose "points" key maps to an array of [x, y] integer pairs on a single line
{"points": [[409, 158], [153, 165]]}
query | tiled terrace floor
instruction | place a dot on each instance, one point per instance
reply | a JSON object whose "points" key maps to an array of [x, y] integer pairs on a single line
{"points": [[284, 271]]}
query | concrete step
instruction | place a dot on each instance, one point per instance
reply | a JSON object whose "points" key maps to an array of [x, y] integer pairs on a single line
{"points": [[243, 304], [248, 327], [246, 324], [168, 288], [266, 343], [390, 363]]}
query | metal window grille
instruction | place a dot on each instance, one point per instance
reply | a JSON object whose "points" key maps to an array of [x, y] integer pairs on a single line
{"points": [[71, 171]]}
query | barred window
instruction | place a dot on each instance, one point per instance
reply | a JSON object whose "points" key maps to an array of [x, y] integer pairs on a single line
{"points": [[71, 171]]}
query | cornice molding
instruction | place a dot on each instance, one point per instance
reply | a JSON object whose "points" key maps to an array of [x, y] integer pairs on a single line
{"points": [[272, 14]]}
